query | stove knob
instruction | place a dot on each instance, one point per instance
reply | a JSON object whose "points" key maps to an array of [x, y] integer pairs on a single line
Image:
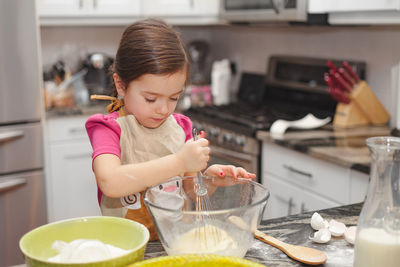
{"points": [[214, 132], [227, 138], [240, 140]]}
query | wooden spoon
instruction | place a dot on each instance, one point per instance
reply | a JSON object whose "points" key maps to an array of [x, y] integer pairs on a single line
{"points": [[302, 254]]}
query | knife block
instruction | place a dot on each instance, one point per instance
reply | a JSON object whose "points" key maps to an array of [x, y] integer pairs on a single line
{"points": [[364, 108]]}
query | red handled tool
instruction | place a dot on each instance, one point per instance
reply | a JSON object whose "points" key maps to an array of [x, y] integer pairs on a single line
{"points": [[346, 76], [350, 70], [331, 65], [338, 95], [342, 83]]}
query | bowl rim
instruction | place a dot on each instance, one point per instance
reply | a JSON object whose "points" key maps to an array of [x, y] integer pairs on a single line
{"points": [[143, 243], [206, 258], [209, 212]]}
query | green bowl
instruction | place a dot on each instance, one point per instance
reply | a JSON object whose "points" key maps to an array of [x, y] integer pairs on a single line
{"points": [[192, 260], [36, 245]]}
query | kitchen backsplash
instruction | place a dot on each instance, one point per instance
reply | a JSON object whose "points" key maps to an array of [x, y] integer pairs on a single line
{"points": [[250, 47]]}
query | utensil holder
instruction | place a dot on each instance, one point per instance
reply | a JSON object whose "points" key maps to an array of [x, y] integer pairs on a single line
{"points": [[364, 108]]}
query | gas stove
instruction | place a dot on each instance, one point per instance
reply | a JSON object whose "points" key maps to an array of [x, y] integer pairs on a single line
{"points": [[292, 88]]}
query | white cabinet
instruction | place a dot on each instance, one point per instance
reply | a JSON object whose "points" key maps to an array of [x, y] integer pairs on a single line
{"points": [[300, 183], [183, 11], [59, 12], [358, 11], [123, 12], [71, 185]]}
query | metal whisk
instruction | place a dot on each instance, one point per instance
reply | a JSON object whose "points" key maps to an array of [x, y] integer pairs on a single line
{"points": [[206, 234]]}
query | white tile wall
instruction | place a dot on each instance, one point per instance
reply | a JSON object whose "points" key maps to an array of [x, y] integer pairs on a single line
{"points": [[250, 47]]}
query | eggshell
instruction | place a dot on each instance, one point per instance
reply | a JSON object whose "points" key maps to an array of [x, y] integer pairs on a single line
{"points": [[317, 222], [350, 234], [321, 236], [337, 228]]}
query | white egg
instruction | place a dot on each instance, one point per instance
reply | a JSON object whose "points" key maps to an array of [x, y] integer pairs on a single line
{"points": [[317, 222], [350, 234], [321, 236], [337, 228]]}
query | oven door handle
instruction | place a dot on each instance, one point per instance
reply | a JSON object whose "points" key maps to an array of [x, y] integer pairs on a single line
{"points": [[217, 151]]}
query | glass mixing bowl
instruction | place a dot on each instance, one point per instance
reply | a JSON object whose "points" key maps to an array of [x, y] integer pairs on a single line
{"points": [[220, 222]]}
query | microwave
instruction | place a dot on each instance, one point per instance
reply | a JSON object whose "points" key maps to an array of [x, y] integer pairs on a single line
{"points": [[263, 10]]}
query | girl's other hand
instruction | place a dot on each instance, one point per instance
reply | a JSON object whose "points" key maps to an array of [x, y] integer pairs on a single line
{"points": [[228, 170], [195, 154]]}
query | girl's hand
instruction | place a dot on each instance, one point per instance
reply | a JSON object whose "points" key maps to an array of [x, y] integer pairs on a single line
{"points": [[195, 155], [228, 170]]}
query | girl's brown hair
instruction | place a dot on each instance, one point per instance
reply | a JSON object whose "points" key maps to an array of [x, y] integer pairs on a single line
{"points": [[149, 46]]}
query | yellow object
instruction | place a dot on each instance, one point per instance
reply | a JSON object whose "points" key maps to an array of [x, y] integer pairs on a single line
{"points": [[196, 261], [364, 108]]}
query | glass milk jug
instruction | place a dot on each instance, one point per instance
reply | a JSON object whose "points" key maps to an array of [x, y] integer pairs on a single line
{"points": [[378, 231]]}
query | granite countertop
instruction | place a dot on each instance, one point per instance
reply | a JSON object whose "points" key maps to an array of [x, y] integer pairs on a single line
{"points": [[294, 229], [78, 111], [345, 147]]}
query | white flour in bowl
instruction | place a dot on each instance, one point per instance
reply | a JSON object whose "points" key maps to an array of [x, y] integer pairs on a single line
{"points": [[207, 239], [84, 250]]}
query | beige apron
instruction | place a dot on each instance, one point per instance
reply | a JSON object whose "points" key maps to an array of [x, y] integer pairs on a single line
{"points": [[140, 144]]}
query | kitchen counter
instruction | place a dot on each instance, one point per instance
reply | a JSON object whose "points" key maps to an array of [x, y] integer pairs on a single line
{"points": [[295, 230], [345, 147], [78, 111]]}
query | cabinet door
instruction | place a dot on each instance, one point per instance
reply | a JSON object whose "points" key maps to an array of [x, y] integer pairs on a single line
{"points": [[19, 214], [180, 7], [359, 183], [116, 7], [311, 202], [326, 179], [62, 7], [284, 198], [73, 185], [288, 199], [326, 6]]}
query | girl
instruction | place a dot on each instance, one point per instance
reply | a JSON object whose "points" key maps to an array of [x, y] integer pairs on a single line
{"points": [[141, 142]]}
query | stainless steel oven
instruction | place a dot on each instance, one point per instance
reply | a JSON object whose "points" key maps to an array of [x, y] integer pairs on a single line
{"points": [[264, 10], [230, 147], [230, 157]]}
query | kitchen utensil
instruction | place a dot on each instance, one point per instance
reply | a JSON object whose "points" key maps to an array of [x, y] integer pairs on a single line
{"points": [[279, 127], [36, 245], [342, 83], [211, 235], [196, 261], [350, 70], [346, 76], [199, 51], [339, 95], [331, 66], [98, 79], [377, 240], [201, 189], [302, 254], [176, 226], [367, 101]]}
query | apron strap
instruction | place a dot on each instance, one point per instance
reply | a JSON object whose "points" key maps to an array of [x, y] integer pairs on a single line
{"points": [[116, 104]]}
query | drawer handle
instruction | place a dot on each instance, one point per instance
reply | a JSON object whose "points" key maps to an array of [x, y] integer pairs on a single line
{"points": [[290, 168], [289, 202], [8, 136], [290, 206], [77, 130], [6, 185], [78, 156], [303, 208]]}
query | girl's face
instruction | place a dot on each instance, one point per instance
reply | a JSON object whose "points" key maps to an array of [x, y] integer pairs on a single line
{"points": [[152, 98]]}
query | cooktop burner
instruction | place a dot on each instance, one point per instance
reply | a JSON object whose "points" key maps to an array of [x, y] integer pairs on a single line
{"points": [[292, 88], [246, 119]]}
